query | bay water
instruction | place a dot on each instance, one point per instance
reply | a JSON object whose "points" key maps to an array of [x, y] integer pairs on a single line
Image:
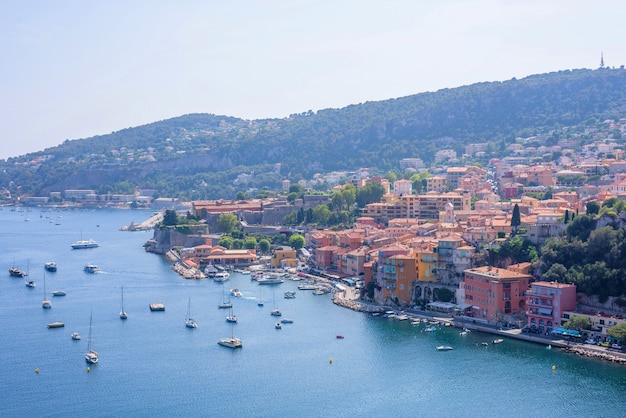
{"points": [[152, 365]]}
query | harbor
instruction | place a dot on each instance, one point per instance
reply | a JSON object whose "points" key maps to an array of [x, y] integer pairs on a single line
{"points": [[153, 364]]}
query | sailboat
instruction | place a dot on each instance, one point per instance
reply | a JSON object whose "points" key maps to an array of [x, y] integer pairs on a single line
{"points": [[123, 314], [190, 323], [84, 243], [91, 356], [275, 311], [231, 317], [232, 342], [224, 304], [45, 303]]}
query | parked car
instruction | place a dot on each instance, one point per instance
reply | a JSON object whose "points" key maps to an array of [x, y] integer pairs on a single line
{"points": [[616, 346], [590, 341]]}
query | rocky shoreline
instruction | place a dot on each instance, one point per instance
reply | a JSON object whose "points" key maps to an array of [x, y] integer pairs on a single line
{"points": [[581, 350]]}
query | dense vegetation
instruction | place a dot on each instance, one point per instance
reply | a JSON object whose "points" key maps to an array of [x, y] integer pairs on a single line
{"points": [[202, 156]]}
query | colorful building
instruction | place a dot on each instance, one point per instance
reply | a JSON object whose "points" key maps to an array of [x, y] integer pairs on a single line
{"points": [[496, 295], [546, 302]]}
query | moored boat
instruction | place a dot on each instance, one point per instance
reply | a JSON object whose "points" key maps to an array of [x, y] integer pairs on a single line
{"points": [[444, 348], [56, 324], [278, 325], [50, 266], [30, 283], [157, 306], [75, 336], [91, 268], [16, 272], [497, 341], [290, 294], [287, 321], [59, 293], [84, 243], [232, 342], [91, 356]]}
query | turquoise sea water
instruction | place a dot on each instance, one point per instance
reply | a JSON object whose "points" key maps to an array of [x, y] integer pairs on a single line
{"points": [[152, 365]]}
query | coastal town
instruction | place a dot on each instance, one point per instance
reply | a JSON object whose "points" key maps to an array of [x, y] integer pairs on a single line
{"points": [[425, 245]]}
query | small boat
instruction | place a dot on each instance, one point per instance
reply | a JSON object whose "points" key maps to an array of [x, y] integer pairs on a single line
{"points": [[463, 333], [29, 283], [221, 276], [189, 322], [56, 324], [484, 343], [231, 317], [210, 271], [275, 312], [91, 356], [224, 304], [278, 325], [287, 321], [16, 272], [444, 348], [431, 328], [157, 307], [123, 314], [339, 337], [91, 268], [269, 280], [236, 293], [84, 243], [45, 303], [290, 294], [307, 286], [230, 342], [497, 341], [59, 293], [75, 336], [50, 266]]}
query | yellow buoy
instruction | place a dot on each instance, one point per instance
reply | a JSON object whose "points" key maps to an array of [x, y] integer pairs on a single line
{"points": [[88, 369], [330, 360], [553, 367], [37, 370]]}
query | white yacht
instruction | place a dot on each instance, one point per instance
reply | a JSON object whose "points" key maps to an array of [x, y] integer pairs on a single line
{"points": [[84, 243]]}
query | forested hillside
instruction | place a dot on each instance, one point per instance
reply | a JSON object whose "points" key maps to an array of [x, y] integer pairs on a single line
{"points": [[201, 155]]}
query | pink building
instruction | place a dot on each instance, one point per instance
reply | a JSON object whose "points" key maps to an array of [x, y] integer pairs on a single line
{"points": [[546, 303]]}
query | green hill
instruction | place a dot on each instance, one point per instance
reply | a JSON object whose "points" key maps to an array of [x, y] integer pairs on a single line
{"points": [[201, 155]]}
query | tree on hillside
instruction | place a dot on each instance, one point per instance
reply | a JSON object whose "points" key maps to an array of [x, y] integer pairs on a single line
{"points": [[617, 331], [226, 222], [296, 241], [225, 241], [593, 208], [578, 323], [249, 243], [516, 218], [170, 218], [264, 245], [370, 193]]}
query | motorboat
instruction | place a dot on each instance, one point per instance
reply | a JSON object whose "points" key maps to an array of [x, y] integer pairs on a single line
{"points": [[444, 348], [45, 303], [286, 321], [84, 243], [29, 283], [59, 293], [497, 341], [340, 337], [307, 286], [236, 293], [50, 266], [290, 294], [431, 328], [232, 342], [221, 276], [157, 306], [91, 268], [278, 325], [275, 312], [56, 324], [210, 271], [75, 336], [269, 280]]}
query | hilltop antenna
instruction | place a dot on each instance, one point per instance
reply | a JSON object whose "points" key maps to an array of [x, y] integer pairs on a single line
{"points": [[601, 59]]}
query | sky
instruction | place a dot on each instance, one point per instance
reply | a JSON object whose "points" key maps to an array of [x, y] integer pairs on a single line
{"points": [[75, 69]]}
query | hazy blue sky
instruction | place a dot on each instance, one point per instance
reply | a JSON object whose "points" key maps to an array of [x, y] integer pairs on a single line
{"points": [[74, 69]]}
